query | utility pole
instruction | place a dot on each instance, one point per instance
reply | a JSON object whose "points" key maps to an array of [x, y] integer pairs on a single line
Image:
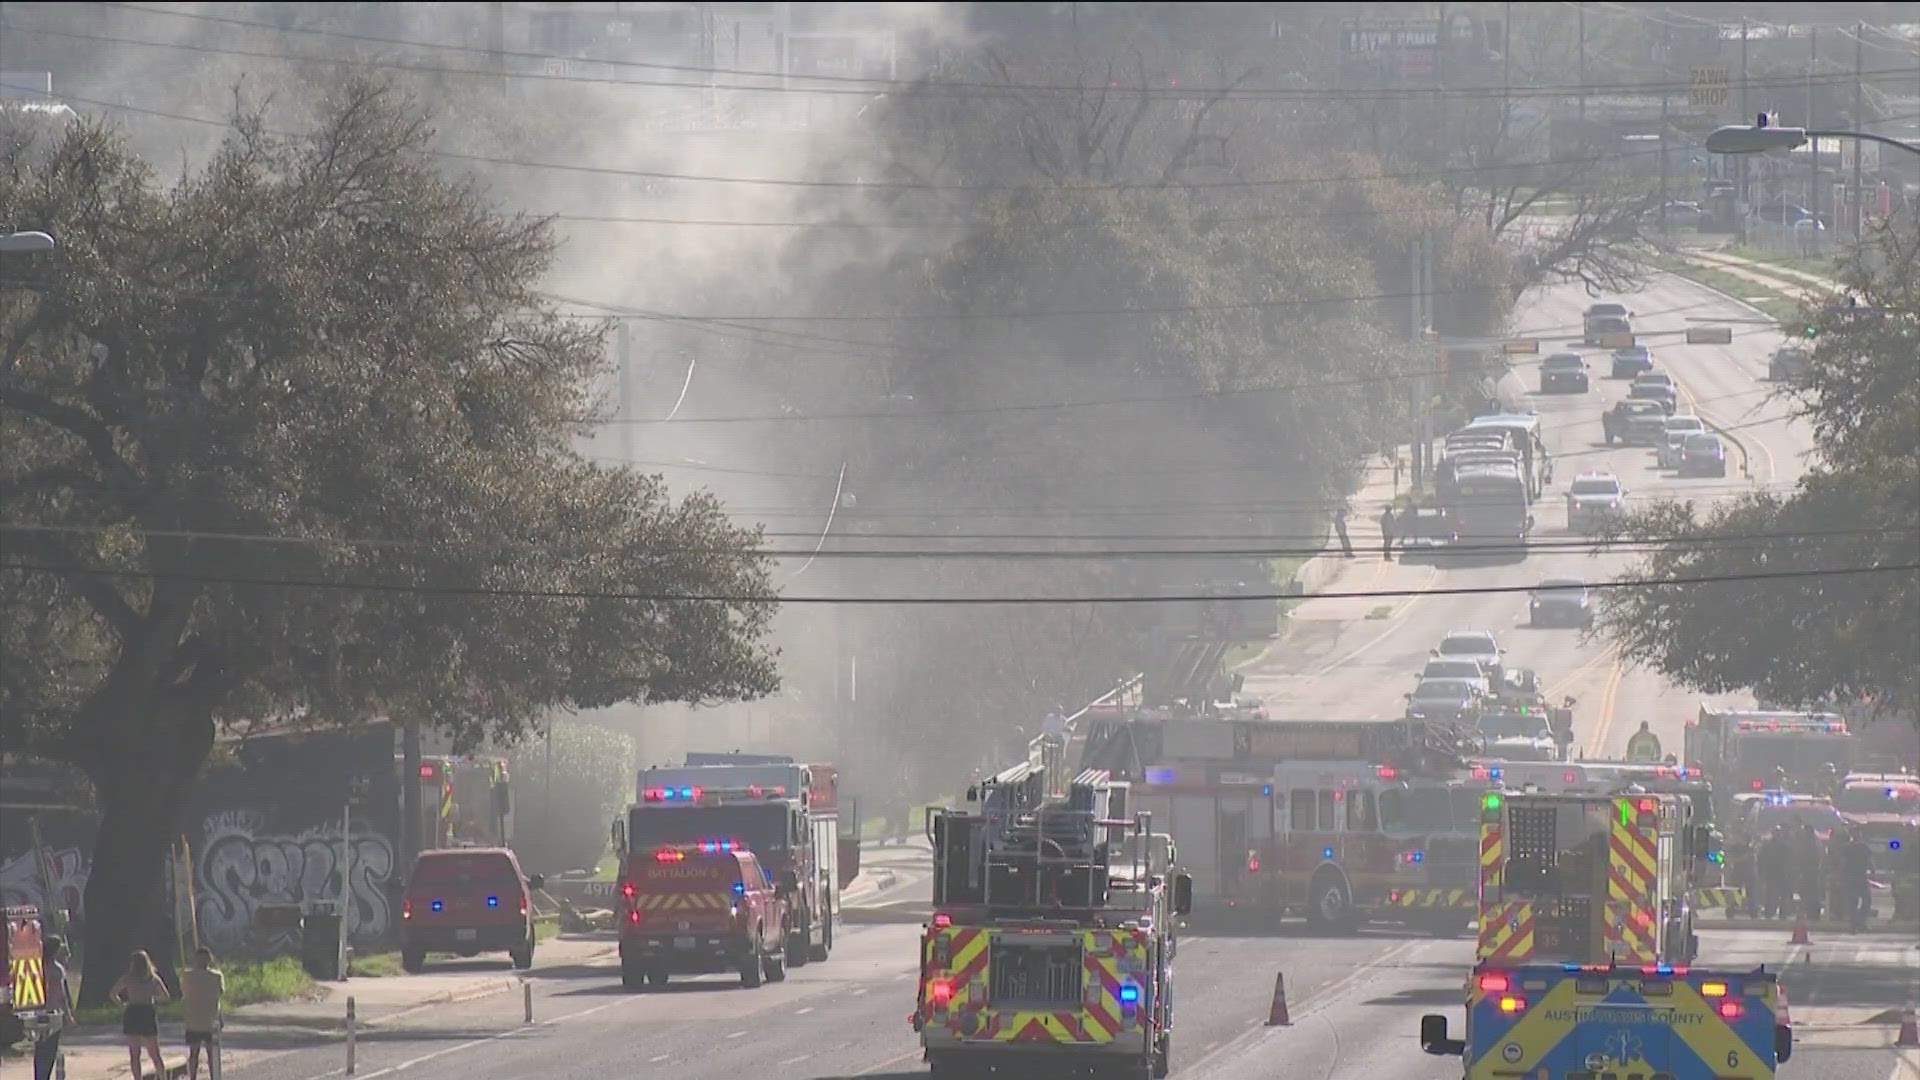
{"points": [[1580, 34], [1740, 193], [410, 809], [1813, 144], [1859, 122], [1666, 93], [1416, 326], [497, 36]]}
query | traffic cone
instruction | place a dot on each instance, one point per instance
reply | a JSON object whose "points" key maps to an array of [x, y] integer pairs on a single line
{"points": [[1800, 932], [1277, 1015], [1909, 1029]]}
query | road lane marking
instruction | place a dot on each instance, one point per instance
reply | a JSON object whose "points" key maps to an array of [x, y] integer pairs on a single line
{"points": [[1580, 672], [1419, 593], [803, 1012], [857, 991], [471, 1043], [736, 1034], [890, 1062], [1598, 747], [796, 1060], [658, 1058]]}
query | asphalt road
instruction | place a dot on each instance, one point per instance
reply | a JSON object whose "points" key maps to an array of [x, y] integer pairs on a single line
{"points": [[1340, 660], [1355, 1000]]}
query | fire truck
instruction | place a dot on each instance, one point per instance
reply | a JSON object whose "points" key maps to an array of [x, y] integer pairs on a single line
{"points": [[1752, 751], [465, 801], [1338, 821], [1585, 944], [1052, 941], [1587, 879], [25, 1010], [786, 813]]}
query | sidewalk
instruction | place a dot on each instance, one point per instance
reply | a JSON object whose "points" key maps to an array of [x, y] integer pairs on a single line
{"points": [[257, 1032], [1794, 284]]}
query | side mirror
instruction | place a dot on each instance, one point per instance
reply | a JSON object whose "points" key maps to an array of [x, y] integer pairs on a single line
{"points": [[536, 881], [1434, 1040], [973, 794], [789, 881], [620, 838], [1782, 1043], [1183, 894]]}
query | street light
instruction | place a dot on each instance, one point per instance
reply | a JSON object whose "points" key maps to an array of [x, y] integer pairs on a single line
{"points": [[25, 242], [1762, 137]]}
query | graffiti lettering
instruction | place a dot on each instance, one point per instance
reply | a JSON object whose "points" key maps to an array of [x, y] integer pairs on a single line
{"points": [[239, 867], [66, 872]]}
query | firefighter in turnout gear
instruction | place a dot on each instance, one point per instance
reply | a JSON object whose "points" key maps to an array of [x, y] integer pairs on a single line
{"points": [[1644, 747]]}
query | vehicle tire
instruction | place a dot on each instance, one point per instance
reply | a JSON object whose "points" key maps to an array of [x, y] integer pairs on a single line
{"points": [[750, 977], [774, 967], [632, 975], [413, 960], [1163, 1058], [12, 1029], [1329, 906], [942, 1067], [523, 956], [824, 948], [657, 978], [1609, 437]]}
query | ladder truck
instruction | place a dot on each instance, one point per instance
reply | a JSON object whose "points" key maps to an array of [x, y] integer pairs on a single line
{"points": [[1052, 941]]}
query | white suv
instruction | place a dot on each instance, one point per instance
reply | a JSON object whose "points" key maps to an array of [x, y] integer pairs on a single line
{"points": [[1595, 499]]}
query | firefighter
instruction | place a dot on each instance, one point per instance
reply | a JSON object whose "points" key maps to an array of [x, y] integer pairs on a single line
{"points": [[1775, 875], [1386, 534], [1807, 878], [1644, 746], [1854, 897]]}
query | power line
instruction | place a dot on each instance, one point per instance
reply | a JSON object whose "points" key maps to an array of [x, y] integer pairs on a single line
{"points": [[921, 601], [842, 85]]}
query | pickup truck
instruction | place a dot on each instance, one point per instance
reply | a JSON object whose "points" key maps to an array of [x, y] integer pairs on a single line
{"points": [[1636, 420]]}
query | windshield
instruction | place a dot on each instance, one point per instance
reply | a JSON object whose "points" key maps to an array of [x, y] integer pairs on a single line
{"points": [[1822, 816], [1703, 442], [1680, 425], [762, 827], [1879, 799], [1599, 310], [1802, 756], [1511, 725], [1468, 646], [1430, 809], [1446, 692], [1452, 669], [1596, 487], [1562, 363]]}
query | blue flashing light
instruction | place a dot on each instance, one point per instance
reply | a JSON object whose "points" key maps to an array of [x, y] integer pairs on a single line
{"points": [[1893, 845], [686, 793], [437, 905], [1160, 776], [739, 888], [1419, 856], [1129, 995], [1495, 773], [1266, 790], [1571, 969], [1717, 857], [493, 901], [1663, 970], [1326, 853]]}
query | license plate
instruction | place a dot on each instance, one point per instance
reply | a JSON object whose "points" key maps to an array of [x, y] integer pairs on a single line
{"points": [[683, 943], [465, 935]]}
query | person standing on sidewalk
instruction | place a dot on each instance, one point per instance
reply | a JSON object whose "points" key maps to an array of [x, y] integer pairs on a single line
{"points": [[1340, 530], [46, 1052], [1386, 533], [200, 991], [141, 992]]}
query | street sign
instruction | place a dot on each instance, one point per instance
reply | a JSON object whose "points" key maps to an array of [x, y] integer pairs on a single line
{"points": [[1528, 347], [1708, 89], [1616, 341], [1384, 35], [1709, 335]]}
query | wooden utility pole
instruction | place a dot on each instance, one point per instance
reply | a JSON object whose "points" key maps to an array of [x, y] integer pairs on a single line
{"points": [[1580, 35], [1859, 122]]}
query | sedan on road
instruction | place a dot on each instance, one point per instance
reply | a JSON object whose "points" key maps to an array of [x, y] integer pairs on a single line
{"points": [[1443, 699], [1662, 393], [1560, 602], [1787, 362], [1677, 430], [1563, 371], [1703, 455], [1631, 362], [1595, 499], [1457, 668]]}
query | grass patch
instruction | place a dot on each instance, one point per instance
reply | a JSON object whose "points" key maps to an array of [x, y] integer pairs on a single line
{"points": [[1777, 305], [249, 982], [608, 869], [379, 965], [1382, 611], [1825, 266]]}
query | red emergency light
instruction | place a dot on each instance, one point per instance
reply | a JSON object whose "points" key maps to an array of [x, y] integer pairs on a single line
{"points": [[669, 855], [1387, 772], [426, 772]]}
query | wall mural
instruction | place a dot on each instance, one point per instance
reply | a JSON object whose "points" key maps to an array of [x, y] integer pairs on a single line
{"points": [[240, 865], [66, 872]]}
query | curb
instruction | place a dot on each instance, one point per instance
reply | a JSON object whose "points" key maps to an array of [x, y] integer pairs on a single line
{"points": [[882, 880]]}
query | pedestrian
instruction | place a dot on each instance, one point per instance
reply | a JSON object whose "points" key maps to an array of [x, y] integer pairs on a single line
{"points": [[200, 991], [1340, 530], [46, 1052], [141, 993], [1806, 872], [1386, 533], [1856, 889], [1776, 876]]}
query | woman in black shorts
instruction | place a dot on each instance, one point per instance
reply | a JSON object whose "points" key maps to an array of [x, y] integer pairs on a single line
{"points": [[142, 993]]}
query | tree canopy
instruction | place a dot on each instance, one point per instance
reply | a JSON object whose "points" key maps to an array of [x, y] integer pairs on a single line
{"points": [[1847, 630], [291, 440]]}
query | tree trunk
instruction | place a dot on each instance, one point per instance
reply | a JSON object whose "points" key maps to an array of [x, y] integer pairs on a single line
{"points": [[143, 782]]}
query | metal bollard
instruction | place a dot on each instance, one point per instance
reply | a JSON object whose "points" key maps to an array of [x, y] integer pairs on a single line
{"points": [[350, 1033], [526, 992]]}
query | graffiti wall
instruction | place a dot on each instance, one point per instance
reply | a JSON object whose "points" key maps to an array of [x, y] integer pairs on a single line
{"points": [[66, 875], [243, 862]]}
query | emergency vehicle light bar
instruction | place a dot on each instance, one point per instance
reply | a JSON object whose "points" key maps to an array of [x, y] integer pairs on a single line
{"points": [[1795, 727], [695, 795]]}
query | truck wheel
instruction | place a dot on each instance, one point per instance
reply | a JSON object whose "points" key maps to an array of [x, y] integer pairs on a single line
{"points": [[825, 947], [1163, 1058], [774, 968], [657, 978], [1328, 904], [632, 975], [412, 960], [750, 967], [523, 956]]}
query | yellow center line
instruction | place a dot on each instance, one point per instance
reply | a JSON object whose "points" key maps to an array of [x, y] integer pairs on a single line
{"points": [[1746, 455], [1598, 746], [1580, 672]]}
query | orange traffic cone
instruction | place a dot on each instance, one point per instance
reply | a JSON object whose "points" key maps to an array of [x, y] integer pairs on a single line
{"points": [[1909, 1029], [1277, 1015], [1800, 932]]}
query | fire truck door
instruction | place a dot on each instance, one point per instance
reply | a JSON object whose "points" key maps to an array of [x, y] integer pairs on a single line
{"points": [[1233, 845]]}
